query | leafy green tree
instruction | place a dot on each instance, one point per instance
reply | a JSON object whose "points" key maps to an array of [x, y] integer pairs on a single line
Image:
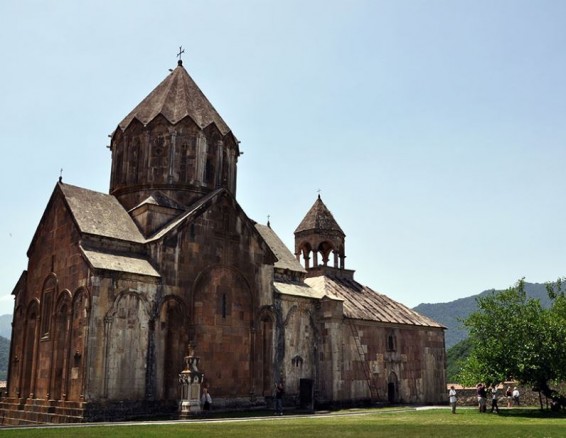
{"points": [[455, 357], [514, 338]]}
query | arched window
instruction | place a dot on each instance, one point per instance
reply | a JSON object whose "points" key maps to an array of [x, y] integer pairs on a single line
{"points": [[391, 342], [209, 171], [46, 303], [224, 306]]}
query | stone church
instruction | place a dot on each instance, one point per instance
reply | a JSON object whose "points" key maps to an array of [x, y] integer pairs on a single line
{"points": [[118, 285]]}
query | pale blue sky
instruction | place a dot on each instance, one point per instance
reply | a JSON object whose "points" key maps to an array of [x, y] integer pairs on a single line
{"points": [[434, 129]]}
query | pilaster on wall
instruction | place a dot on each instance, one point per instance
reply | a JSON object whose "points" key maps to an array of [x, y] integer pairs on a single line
{"points": [[201, 154]]}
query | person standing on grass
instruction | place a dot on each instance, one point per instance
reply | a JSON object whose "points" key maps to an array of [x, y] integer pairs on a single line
{"points": [[482, 397], [453, 398], [494, 396], [509, 395], [516, 397], [279, 391]]}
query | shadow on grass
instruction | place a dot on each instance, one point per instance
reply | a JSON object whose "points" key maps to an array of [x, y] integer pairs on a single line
{"points": [[531, 413]]}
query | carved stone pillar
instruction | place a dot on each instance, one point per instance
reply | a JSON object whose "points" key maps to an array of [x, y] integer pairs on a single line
{"points": [[190, 380]]}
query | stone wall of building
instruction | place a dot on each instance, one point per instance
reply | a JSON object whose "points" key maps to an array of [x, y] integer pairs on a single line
{"points": [[57, 282], [119, 332], [330, 351], [350, 362], [209, 267], [392, 363], [301, 341]]}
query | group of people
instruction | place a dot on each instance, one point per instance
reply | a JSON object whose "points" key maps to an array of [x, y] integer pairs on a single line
{"points": [[483, 391]]}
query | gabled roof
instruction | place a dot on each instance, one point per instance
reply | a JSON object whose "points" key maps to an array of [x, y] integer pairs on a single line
{"points": [[201, 206], [175, 98], [100, 214], [319, 218], [285, 259], [361, 302]]}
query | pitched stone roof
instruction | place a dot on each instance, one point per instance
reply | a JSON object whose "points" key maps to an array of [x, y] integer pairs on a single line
{"points": [[119, 263], [285, 259], [100, 214], [361, 302], [319, 218], [301, 290], [175, 98]]}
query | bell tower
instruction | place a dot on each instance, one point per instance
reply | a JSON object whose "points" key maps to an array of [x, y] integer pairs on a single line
{"points": [[319, 240], [173, 142]]}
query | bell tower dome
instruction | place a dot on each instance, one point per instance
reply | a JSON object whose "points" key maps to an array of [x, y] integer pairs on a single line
{"points": [[174, 142], [319, 234]]}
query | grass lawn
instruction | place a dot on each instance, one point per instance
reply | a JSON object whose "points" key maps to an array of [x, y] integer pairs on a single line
{"points": [[361, 423]]}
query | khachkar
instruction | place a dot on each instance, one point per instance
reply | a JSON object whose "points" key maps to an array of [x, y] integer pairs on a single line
{"points": [[190, 379]]}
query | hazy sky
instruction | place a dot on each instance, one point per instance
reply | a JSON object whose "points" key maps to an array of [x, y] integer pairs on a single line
{"points": [[435, 130]]}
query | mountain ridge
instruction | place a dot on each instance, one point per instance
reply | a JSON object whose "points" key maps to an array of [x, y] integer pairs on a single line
{"points": [[451, 313]]}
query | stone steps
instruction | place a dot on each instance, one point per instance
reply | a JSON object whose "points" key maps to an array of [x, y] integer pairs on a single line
{"points": [[15, 411], [21, 411]]}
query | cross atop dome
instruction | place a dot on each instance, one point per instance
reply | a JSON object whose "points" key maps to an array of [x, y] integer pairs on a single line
{"points": [[181, 51]]}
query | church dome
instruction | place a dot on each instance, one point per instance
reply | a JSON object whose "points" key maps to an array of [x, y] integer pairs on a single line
{"points": [[175, 142]]}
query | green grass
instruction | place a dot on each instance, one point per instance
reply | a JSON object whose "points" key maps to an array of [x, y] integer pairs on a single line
{"points": [[361, 423]]}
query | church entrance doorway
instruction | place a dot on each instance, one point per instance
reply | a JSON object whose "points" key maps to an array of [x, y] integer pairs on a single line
{"points": [[393, 389], [306, 394]]}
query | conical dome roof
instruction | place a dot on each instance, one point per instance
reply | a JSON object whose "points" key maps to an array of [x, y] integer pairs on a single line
{"points": [[319, 218], [175, 98], [170, 143]]}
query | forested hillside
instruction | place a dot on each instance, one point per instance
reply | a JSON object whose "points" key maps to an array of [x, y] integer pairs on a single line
{"points": [[452, 313], [4, 355], [6, 326], [5, 334], [454, 357]]}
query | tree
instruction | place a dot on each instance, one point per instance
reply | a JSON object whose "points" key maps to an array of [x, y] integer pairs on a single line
{"points": [[514, 338], [455, 357]]}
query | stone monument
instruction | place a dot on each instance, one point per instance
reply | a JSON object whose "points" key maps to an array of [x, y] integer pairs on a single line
{"points": [[190, 379]]}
